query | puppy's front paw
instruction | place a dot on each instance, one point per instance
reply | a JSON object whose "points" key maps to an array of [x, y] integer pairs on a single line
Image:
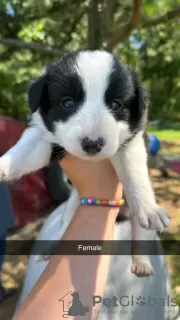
{"points": [[141, 266], [155, 218]]}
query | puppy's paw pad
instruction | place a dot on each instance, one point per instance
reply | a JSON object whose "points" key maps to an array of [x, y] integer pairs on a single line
{"points": [[142, 268]]}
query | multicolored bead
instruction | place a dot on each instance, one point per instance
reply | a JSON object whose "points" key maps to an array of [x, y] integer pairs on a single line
{"points": [[84, 201], [90, 200], [106, 203]]}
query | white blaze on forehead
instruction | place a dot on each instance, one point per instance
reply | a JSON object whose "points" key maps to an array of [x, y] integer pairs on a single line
{"points": [[94, 68]]}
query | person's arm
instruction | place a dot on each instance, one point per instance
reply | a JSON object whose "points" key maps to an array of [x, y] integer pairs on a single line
{"points": [[86, 275]]}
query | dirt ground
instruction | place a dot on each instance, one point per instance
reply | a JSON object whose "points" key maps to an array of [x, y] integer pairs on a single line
{"points": [[168, 196]]}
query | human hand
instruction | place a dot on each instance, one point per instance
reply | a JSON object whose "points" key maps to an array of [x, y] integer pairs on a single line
{"points": [[92, 178]]}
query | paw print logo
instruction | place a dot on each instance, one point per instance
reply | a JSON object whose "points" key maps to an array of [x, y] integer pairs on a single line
{"points": [[141, 301]]}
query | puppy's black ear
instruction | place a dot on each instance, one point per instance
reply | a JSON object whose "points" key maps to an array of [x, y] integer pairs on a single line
{"points": [[140, 92], [139, 103], [35, 92]]}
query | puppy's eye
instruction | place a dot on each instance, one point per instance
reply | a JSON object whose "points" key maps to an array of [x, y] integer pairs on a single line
{"points": [[68, 103], [116, 105]]}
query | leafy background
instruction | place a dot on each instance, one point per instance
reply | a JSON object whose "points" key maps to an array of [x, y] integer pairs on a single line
{"points": [[144, 34]]}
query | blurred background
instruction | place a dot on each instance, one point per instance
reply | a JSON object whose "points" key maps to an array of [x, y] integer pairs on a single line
{"points": [[145, 35]]}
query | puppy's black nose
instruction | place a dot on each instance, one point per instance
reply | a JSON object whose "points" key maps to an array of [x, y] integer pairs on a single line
{"points": [[92, 146]]}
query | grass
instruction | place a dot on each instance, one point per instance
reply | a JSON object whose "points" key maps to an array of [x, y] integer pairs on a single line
{"points": [[170, 149], [169, 138], [165, 134]]}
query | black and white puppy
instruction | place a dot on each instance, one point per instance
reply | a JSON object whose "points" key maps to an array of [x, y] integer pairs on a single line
{"points": [[93, 106]]}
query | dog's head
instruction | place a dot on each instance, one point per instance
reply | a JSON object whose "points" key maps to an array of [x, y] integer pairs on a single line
{"points": [[89, 103]]}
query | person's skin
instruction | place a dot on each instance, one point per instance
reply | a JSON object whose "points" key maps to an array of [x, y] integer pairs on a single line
{"points": [[85, 274]]}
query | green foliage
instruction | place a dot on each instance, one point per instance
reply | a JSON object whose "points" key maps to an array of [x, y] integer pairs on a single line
{"points": [[72, 25], [160, 69], [15, 76]]}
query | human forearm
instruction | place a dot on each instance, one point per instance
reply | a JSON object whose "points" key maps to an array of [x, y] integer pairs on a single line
{"points": [[84, 274]]}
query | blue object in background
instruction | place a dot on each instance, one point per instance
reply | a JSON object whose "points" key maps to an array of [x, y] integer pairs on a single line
{"points": [[154, 145]]}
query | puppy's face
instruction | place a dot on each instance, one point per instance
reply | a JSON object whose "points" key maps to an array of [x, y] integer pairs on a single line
{"points": [[90, 104]]}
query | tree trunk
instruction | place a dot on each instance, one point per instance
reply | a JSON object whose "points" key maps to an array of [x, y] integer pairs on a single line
{"points": [[94, 26]]}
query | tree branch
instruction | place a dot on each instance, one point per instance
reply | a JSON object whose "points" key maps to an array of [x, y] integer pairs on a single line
{"points": [[33, 46], [120, 35], [135, 23], [162, 19]]}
